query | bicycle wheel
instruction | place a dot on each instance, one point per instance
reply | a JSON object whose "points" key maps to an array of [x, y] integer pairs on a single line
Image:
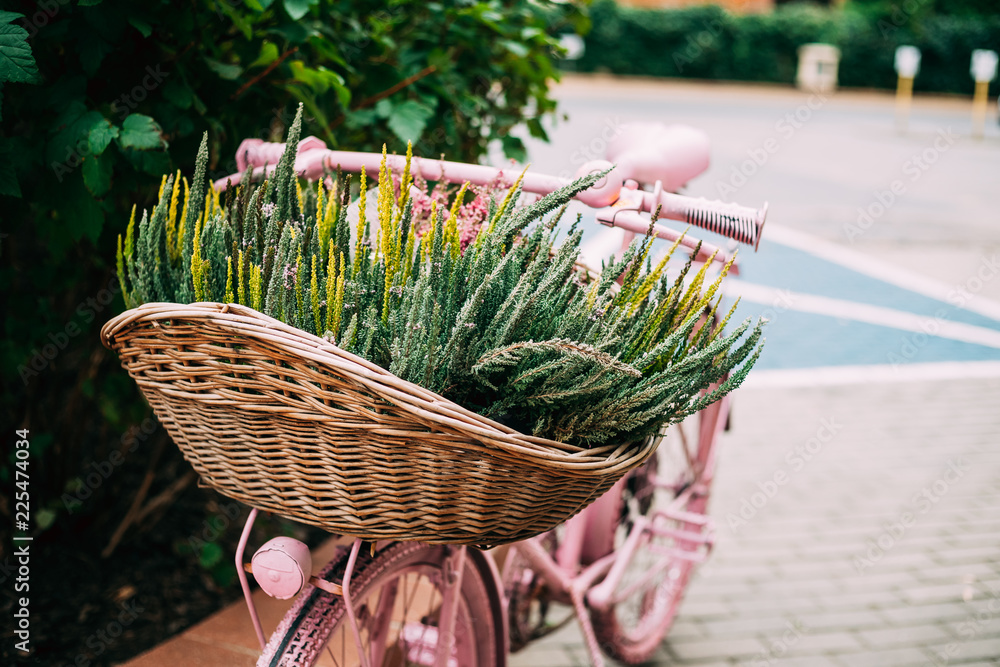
{"points": [[397, 598], [646, 601]]}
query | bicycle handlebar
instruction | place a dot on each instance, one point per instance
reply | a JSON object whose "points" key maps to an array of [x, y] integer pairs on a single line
{"points": [[313, 160]]}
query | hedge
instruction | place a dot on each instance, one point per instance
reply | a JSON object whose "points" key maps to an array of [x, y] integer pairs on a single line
{"points": [[709, 43]]}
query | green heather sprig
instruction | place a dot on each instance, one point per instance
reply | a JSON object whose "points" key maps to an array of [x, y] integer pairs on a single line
{"points": [[508, 326]]}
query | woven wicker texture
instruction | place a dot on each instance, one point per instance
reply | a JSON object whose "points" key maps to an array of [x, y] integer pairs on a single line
{"points": [[283, 421]]}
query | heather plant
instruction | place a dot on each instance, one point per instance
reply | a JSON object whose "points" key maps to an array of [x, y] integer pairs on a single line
{"points": [[506, 324]]}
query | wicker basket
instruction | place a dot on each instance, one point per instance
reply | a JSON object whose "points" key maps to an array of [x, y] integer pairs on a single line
{"points": [[286, 422]]}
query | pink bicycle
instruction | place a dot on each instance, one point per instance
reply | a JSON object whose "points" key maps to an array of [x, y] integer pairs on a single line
{"points": [[622, 564]]}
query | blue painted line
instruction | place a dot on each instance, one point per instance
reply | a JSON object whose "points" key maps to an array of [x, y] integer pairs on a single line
{"points": [[798, 340], [781, 266], [805, 340]]}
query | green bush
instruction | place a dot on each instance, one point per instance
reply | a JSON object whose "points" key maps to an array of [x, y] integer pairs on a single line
{"points": [[99, 98], [709, 43]]}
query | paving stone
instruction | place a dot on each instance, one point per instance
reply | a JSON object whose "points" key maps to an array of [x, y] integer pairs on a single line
{"points": [[908, 635], [813, 642], [924, 613], [973, 649], [898, 657], [717, 649]]}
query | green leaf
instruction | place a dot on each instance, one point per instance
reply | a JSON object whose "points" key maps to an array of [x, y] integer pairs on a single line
{"points": [[154, 163], [268, 54], [178, 93], [89, 3], [211, 554], [92, 49], [44, 518], [225, 71], [85, 217], [237, 18], [355, 120], [320, 79], [141, 132], [142, 26], [97, 174], [17, 64], [100, 135], [409, 119], [296, 8], [72, 138], [517, 48], [514, 148], [383, 108]]}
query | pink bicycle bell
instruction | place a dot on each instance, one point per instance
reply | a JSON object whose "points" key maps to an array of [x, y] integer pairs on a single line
{"points": [[282, 567]]}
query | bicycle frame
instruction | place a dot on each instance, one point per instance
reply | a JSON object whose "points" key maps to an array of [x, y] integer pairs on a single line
{"points": [[585, 573], [593, 585]]}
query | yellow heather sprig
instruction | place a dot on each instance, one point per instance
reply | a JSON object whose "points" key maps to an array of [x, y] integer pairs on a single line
{"points": [[229, 279], [427, 242], [360, 240], [299, 296], [338, 301], [196, 266], [691, 297], [241, 289], [172, 218], [130, 234], [334, 292], [404, 186], [184, 210], [120, 266], [385, 205], [314, 295], [646, 286], [451, 237], [319, 200], [256, 293]]}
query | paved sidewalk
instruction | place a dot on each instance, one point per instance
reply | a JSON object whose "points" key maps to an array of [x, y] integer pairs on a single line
{"points": [[881, 547]]}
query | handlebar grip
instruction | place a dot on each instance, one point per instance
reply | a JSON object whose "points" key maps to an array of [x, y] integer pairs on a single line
{"points": [[741, 223]]}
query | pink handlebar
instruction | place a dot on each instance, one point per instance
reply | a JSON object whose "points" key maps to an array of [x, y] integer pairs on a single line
{"points": [[313, 160]]}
